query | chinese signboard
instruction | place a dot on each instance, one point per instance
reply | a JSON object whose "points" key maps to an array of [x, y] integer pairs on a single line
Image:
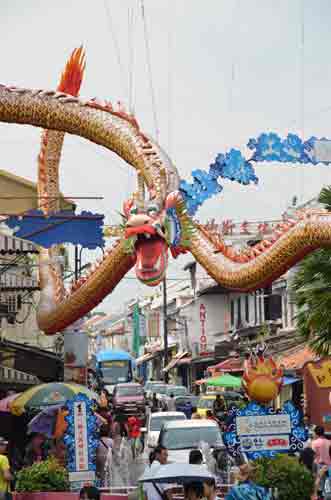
{"points": [[264, 424], [265, 432], [203, 337], [81, 445], [81, 440], [258, 431], [228, 227]]}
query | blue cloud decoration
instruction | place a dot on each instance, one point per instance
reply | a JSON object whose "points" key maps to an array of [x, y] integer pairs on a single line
{"points": [[297, 437], [267, 147], [84, 229]]}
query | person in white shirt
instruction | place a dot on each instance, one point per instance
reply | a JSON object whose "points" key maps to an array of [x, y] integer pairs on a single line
{"points": [[171, 403], [158, 491]]}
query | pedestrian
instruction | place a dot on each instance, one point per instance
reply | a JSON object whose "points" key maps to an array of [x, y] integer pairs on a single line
{"points": [[195, 457], [89, 493], [155, 403], [219, 405], [59, 452], [322, 447], [105, 442], [209, 489], [134, 431], [154, 491], [246, 488], [171, 403], [193, 491], [195, 415], [35, 450], [307, 458], [5, 474]]}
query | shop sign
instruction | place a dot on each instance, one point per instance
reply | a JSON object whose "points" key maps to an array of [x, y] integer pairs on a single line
{"points": [[264, 424], [258, 431], [321, 373]]}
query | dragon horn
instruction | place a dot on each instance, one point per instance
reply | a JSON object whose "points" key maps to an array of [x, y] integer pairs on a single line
{"points": [[72, 76]]}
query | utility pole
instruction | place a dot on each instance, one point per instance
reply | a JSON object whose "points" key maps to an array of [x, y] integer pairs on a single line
{"points": [[165, 329]]}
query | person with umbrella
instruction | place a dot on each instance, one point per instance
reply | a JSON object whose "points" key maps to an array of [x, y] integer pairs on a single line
{"points": [[155, 491], [35, 450]]}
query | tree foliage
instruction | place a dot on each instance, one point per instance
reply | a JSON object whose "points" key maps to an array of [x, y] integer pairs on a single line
{"points": [[292, 480], [312, 294]]}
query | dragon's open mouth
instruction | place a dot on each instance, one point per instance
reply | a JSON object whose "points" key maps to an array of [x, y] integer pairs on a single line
{"points": [[151, 252]]}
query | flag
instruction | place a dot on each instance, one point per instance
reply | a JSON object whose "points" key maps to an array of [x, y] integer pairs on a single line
{"points": [[136, 330]]}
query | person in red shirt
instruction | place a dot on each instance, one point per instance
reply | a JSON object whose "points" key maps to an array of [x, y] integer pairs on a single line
{"points": [[134, 431]]}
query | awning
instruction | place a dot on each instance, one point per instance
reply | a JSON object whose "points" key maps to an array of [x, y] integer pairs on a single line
{"points": [[13, 245], [147, 357], [290, 380], [228, 365], [10, 375], [175, 361]]}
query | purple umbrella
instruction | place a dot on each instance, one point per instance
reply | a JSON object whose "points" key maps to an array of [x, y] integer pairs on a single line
{"points": [[45, 421]]}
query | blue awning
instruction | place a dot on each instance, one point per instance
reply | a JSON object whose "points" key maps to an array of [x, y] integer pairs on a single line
{"points": [[113, 355], [290, 380]]}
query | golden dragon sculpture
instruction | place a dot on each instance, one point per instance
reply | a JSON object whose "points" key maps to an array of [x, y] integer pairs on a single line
{"points": [[156, 217]]}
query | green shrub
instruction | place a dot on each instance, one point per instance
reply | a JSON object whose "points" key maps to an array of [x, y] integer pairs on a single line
{"points": [[294, 481], [43, 476]]}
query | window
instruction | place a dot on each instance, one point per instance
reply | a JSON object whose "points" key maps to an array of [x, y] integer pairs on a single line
{"points": [[260, 298], [255, 308], [247, 308], [239, 312], [232, 312]]}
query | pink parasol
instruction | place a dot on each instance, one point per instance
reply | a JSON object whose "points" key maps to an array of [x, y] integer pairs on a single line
{"points": [[5, 402]]}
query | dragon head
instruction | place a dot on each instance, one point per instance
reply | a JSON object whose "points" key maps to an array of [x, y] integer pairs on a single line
{"points": [[150, 230], [145, 238], [262, 379]]}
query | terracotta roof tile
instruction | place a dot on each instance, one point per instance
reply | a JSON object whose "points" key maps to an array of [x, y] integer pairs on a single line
{"points": [[297, 357]]}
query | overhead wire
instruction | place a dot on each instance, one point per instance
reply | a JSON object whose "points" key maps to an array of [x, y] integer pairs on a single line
{"points": [[302, 89], [116, 47], [149, 69], [170, 78]]}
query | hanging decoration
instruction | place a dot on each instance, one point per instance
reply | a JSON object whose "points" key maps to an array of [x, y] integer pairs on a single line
{"points": [[84, 229], [262, 379], [158, 216]]}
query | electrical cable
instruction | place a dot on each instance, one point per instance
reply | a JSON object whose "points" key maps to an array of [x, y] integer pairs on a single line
{"points": [[116, 46], [149, 69]]}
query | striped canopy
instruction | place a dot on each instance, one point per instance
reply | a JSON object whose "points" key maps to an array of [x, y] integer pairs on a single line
{"points": [[44, 395]]}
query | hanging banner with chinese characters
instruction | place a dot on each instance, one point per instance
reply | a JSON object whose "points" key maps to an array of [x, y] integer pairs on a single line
{"points": [[81, 440]]}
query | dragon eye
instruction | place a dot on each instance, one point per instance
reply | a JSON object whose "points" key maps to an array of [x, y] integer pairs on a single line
{"points": [[134, 210], [152, 209]]}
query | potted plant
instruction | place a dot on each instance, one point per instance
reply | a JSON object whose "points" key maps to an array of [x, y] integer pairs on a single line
{"points": [[42, 481], [285, 474]]}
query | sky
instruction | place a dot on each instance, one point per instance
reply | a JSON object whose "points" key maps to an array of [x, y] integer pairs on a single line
{"points": [[222, 71]]}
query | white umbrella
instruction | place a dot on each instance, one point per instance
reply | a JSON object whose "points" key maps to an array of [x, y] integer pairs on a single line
{"points": [[176, 473]]}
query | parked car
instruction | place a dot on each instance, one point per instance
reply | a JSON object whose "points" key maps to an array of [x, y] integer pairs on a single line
{"points": [[151, 383], [206, 402], [176, 390], [186, 404], [185, 435], [155, 422], [128, 399], [159, 388]]}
